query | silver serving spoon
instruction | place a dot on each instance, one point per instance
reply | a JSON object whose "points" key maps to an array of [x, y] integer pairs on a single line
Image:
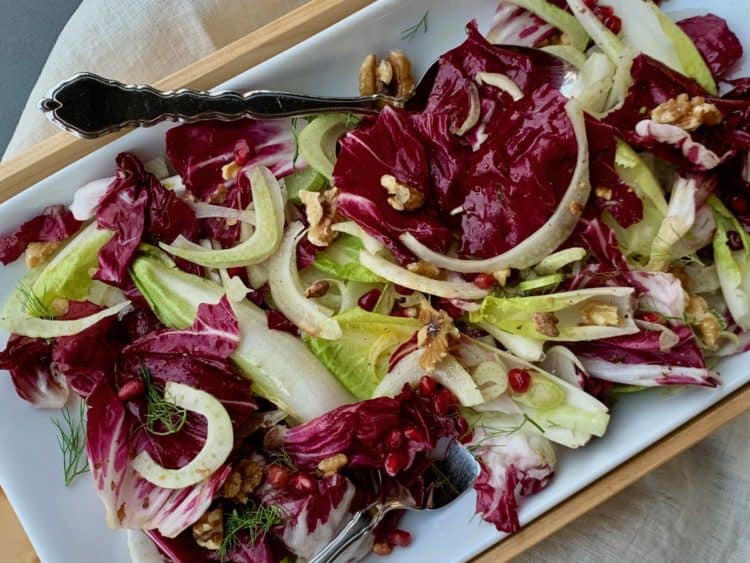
{"points": [[458, 471], [90, 106]]}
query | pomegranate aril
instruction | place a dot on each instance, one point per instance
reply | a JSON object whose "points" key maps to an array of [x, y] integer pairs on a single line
{"points": [[484, 281], [413, 434], [652, 317], [401, 290], [734, 240], [444, 401], [519, 380], [738, 204], [427, 386], [401, 538], [393, 439], [394, 462], [301, 483], [277, 476], [369, 300], [131, 390]]}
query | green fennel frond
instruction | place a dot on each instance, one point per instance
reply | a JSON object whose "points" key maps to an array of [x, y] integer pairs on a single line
{"points": [[71, 438]]}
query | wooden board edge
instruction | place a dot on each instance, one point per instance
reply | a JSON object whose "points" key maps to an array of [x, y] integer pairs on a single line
{"points": [[619, 478], [56, 152]]}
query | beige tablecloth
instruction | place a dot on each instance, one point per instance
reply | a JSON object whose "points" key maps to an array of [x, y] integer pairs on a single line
{"points": [[696, 508]]}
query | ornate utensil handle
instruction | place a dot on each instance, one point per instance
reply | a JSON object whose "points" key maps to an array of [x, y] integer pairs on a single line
{"points": [[89, 105], [362, 523]]}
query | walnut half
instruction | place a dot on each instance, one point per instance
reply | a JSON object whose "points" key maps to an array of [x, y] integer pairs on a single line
{"points": [[246, 475], [403, 197], [208, 531], [320, 208], [705, 322], [436, 337], [687, 113], [392, 76]]}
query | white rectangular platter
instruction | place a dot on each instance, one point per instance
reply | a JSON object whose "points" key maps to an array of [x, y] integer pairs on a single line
{"points": [[67, 524]]}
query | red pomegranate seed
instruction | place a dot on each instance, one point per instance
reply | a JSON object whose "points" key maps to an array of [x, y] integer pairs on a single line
{"points": [[277, 476], [427, 386], [394, 462], [393, 439], [401, 290], [242, 152], [519, 380], [301, 483], [369, 299], [413, 434], [401, 538], [652, 317], [484, 281], [734, 240], [444, 401], [739, 204], [132, 389]]}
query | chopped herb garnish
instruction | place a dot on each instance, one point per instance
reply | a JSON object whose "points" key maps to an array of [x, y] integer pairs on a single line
{"points": [[281, 457], [71, 438], [410, 32], [496, 432], [34, 305], [254, 520], [163, 417]]}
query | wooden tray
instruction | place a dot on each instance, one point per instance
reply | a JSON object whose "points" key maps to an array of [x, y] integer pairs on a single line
{"points": [[60, 150]]}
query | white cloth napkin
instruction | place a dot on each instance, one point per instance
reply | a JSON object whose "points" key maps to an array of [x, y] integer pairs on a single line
{"points": [[696, 508]]}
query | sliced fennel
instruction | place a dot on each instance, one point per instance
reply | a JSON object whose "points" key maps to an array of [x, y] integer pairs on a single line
{"points": [[607, 41], [558, 18], [547, 238], [308, 179], [647, 29], [215, 451], [448, 372], [281, 367], [732, 266], [317, 141], [594, 83], [585, 314], [679, 219], [492, 379], [269, 211], [558, 260], [567, 53], [564, 364], [359, 359], [68, 274], [549, 281], [16, 319], [288, 294], [529, 349], [401, 276], [561, 412]]}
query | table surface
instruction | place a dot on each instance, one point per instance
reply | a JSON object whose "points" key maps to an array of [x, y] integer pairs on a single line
{"points": [[28, 31]]}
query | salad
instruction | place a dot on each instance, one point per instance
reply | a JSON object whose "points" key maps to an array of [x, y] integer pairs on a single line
{"points": [[277, 324]]}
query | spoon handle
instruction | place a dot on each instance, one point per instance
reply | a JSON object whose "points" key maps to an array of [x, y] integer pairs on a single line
{"points": [[362, 523], [90, 106]]}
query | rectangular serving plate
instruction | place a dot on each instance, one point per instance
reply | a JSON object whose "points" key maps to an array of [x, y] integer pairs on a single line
{"points": [[646, 430]]}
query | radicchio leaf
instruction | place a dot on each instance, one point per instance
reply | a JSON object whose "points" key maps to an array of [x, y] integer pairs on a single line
{"points": [[199, 151], [56, 223], [513, 464], [215, 334], [28, 361], [129, 500], [717, 44], [137, 207]]}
